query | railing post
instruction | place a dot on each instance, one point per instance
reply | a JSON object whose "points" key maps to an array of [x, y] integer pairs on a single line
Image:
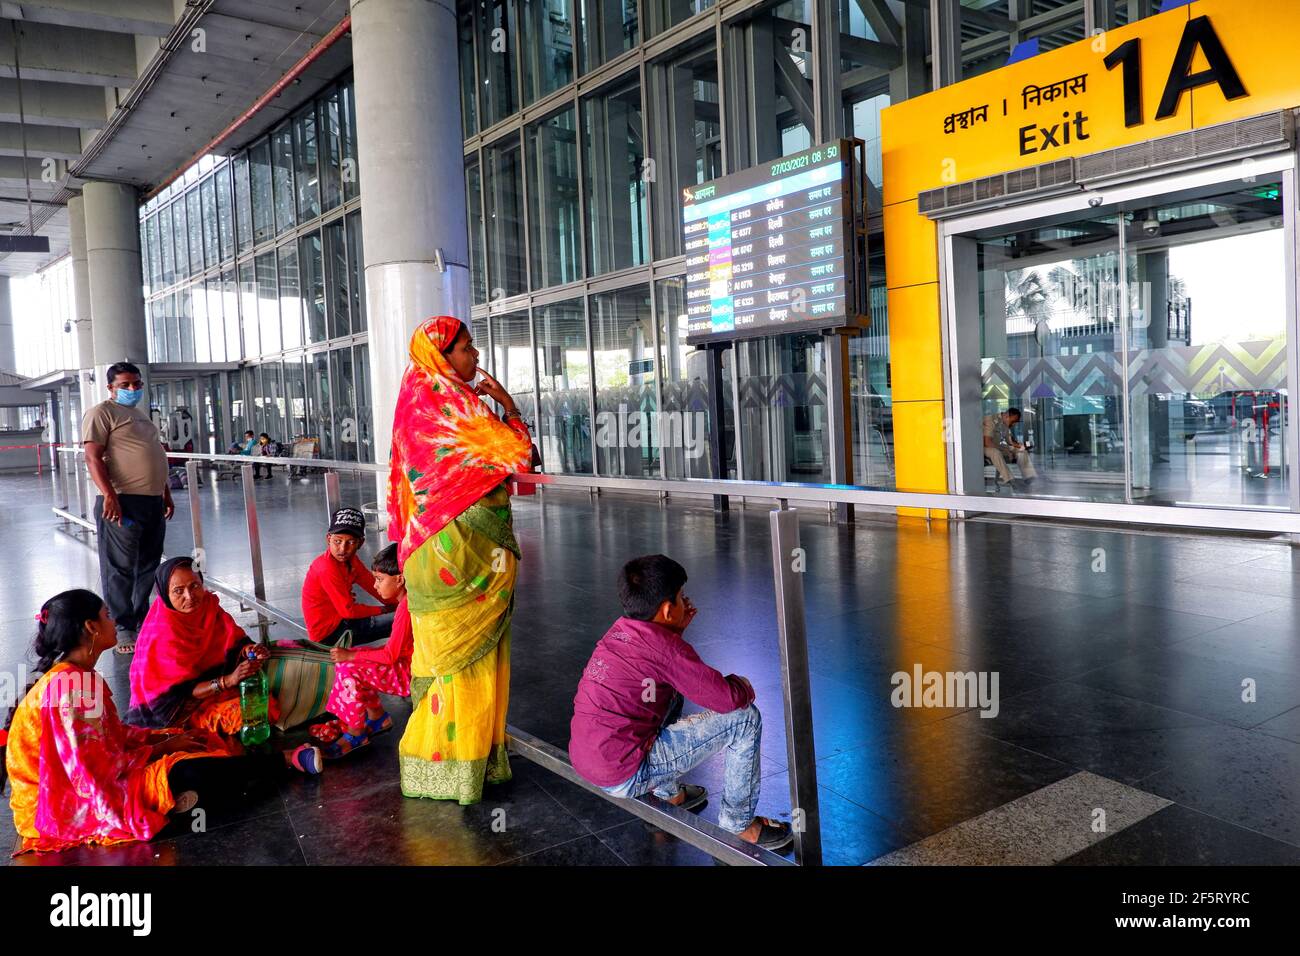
{"points": [[333, 498], [196, 519], [254, 544], [796, 687], [81, 486]]}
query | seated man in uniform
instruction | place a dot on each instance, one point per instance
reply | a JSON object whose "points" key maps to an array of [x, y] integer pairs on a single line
{"points": [[1000, 444]]}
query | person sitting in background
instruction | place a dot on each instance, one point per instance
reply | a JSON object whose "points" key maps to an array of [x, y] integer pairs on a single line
{"points": [[1000, 444], [626, 738], [250, 443], [190, 658], [265, 448], [362, 674], [78, 774], [328, 606]]}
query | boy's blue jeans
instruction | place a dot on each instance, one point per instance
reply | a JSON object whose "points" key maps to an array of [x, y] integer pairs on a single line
{"points": [[689, 742]]}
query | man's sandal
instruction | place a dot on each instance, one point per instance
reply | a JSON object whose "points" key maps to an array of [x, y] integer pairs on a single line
{"points": [[336, 750], [380, 725]]}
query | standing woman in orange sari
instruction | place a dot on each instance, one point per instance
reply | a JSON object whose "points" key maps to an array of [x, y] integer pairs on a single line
{"points": [[450, 515]]}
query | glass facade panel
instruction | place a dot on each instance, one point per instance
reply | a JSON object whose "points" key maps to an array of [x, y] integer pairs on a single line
{"points": [[243, 204], [305, 174], [259, 161], [474, 217], [291, 303], [685, 96], [322, 413], [194, 212], [609, 28], [780, 99], [468, 84], [282, 179], [497, 39], [783, 409], [185, 320], [295, 391], [351, 169], [211, 242], [365, 413], [356, 274], [344, 400], [313, 285], [331, 151], [684, 425], [248, 310], [547, 33], [198, 298], [554, 221], [662, 14], [268, 304], [511, 359], [225, 212], [216, 320], [505, 218], [564, 379], [627, 420], [180, 237], [614, 177], [230, 309], [336, 279]]}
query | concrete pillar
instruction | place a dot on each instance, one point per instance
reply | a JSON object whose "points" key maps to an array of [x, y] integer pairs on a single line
{"points": [[81, 305], [115, 286], [412, 171], [8, 348]]}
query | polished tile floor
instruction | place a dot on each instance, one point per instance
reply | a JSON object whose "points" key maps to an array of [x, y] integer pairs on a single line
{"points": [[1147, 706]]}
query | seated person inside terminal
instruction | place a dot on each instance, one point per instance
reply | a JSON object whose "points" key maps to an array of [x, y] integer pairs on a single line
{"points": [[329, 607], [1000, 444], [626, 735]]}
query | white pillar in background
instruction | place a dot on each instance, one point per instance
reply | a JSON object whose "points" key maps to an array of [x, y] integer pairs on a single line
{"points": [[412, 174], [81, 305], [115, 286]]}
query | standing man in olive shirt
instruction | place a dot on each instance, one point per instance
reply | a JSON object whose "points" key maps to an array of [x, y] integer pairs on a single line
{"points": [[128, 465]]}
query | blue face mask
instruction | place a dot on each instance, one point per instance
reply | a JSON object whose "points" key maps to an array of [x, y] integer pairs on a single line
{"points": [[128, 397]]}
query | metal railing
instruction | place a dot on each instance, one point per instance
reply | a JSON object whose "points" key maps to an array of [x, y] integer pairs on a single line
{"points": [[722, 845]]}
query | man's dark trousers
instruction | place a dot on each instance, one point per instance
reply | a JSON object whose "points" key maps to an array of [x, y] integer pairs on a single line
{"points": [[129, 554]]}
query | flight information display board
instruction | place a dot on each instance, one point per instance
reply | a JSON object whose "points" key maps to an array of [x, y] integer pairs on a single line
{"points": [[771, 248]]}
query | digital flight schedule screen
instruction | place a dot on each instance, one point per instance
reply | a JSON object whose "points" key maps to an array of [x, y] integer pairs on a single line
{"points": [[766, 247]]}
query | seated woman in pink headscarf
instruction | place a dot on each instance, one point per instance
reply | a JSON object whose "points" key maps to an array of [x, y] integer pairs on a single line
{"points": [[190, 657]]}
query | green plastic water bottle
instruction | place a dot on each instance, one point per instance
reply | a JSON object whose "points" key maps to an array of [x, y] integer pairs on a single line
{"points": [[253, 696]]}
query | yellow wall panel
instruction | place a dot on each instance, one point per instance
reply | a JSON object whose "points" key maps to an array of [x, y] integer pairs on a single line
{"points": [[911, 246], [915, 343], [920, 453]]}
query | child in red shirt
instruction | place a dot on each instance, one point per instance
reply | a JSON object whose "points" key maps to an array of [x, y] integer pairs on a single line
{"points": [[328, 606], [362, 674]]}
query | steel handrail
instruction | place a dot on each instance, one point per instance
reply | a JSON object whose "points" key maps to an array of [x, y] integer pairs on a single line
{"points": [[1189, 515]]}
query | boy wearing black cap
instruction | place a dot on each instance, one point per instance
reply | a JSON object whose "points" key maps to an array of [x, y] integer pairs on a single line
{"points": [[328, 605]]}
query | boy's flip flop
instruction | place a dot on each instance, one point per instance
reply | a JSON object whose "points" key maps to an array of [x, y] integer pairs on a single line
{"points": [[696, 796], [773, 834]]}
